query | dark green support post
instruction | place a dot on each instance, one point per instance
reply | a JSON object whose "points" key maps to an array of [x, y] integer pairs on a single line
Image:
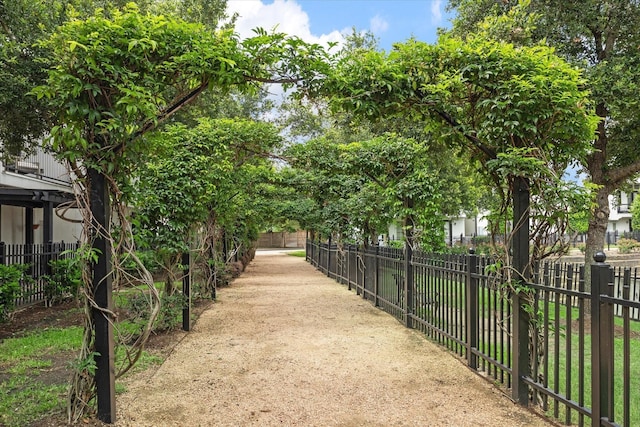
{"points": [[28, 228], [47, 221], [102, 294], [521, 367]]}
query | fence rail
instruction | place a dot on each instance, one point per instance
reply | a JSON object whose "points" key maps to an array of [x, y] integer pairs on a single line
{"points": [[583, 345], [37, 257]]}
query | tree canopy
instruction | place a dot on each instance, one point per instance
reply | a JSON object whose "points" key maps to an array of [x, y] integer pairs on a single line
{"points": [[602, 39], [519, 111]]}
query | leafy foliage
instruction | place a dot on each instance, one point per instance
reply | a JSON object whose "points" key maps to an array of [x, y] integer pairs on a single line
{"points": [[120, 73], [65, 280], [484, 95], [360, 187], [197, 174], [10, 289], [601, 38], [519, 111], [635, 213], [626, 246], [22, 66]]}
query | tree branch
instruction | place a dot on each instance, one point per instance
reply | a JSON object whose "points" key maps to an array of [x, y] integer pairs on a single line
{"points": [[168, 112], [491, 154], [272, 80], [619, 175]]}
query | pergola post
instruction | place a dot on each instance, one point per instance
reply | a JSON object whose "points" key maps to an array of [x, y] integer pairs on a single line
{"points": [[102, 294]]}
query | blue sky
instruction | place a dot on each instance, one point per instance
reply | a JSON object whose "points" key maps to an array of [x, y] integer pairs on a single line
{"points": [[329, 20]]}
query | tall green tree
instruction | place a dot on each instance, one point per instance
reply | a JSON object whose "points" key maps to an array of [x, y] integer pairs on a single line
{"points": [[602, 38], [23, 119], [519, 112]]}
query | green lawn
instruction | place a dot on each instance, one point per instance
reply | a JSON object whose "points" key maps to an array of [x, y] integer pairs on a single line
{"points": [[35, 370]]}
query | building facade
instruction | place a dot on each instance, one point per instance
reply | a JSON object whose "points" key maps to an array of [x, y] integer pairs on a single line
{"points": [[620, 210], [31, 189]]}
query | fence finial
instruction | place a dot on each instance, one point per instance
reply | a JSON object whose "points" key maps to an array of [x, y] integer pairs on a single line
{"points": [[599, 257]]}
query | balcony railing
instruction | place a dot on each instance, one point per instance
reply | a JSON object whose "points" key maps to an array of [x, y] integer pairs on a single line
{"points": [[39, 165]]}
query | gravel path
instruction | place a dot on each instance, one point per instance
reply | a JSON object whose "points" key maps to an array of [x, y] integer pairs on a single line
{"points": [[286, 346]]}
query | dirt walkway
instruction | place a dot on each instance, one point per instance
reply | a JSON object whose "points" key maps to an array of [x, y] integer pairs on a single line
{"points": [[286, 346]]}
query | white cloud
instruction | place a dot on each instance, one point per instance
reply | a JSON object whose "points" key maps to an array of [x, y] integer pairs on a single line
{"points": [[286, 16], [378, 24], [436, 12]]}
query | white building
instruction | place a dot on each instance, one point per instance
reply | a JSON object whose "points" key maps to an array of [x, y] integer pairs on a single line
{"points": [[456, 229], [465, 227], [620, 210], [31, 187]]}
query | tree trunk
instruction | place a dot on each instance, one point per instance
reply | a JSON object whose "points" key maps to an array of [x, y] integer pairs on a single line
{"points": [[599, 217], [596, 232]]}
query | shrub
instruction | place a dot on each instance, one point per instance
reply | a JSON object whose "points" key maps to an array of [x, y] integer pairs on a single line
{"points": [[626, 246], [396, 244], [170, 310], [456, 250], [481, 240], [64, 281], [10, 277]]}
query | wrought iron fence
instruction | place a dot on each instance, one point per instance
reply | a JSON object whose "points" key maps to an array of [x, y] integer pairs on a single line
{"points": [[37, 257], [582, 346]]}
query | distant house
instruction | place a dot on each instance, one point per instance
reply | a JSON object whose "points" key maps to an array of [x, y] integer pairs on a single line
{"points": [[463, 228], [620, 210], [456, 229], [31, 187]]}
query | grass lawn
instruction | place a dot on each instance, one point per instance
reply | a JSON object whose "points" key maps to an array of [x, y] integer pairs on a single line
{"points": [[37, 352], [301, 254]]}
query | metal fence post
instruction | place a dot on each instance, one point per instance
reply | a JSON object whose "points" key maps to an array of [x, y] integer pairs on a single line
{"points": [[48, 257], [408, 284], [472, 309], [376, 275], [329, 257], [520, 246], [601, 340], [3, 251], [186, 291], [359, 261]]}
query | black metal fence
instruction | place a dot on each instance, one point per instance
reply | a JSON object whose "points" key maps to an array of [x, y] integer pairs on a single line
{"points": [[37, 257], [583, 346]]}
